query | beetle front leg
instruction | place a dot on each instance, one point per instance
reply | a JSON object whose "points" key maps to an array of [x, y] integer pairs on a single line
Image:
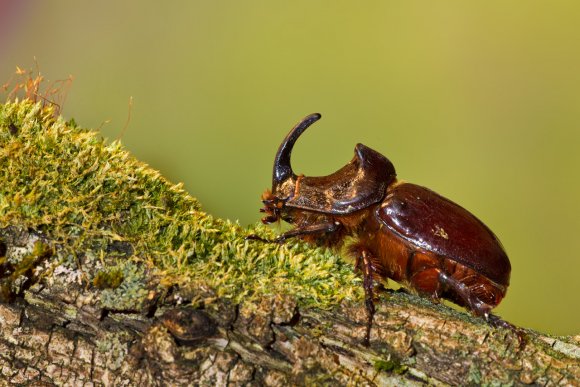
{"points": [[300, 231]]}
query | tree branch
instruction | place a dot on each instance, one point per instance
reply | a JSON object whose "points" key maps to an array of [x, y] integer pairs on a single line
{"points": [[111, 275]]}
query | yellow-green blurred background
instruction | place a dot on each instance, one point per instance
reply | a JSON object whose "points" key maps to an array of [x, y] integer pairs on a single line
{"points": [[479, 101]]}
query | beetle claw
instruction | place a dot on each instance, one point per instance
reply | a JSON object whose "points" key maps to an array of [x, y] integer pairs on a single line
{"points": [[497, 322], [255, 237]]}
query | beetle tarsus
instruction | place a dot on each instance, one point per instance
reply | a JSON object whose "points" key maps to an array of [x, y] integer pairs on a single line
{"points": [[255, 237], [365, 261], [297, 232], [498, 322], [370, 306], [308, 230]]}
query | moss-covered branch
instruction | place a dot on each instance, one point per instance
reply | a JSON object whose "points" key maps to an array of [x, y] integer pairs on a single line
{"points": [[66, 182], [117, 276]]}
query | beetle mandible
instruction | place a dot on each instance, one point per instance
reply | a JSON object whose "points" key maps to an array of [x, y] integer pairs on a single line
{"points": [[402, 231]]}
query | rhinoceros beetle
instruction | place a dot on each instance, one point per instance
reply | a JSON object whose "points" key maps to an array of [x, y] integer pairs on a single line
{"points": [[402, 231]]}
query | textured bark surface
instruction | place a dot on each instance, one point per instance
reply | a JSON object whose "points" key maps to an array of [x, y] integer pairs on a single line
{"points": [[56, 332]]}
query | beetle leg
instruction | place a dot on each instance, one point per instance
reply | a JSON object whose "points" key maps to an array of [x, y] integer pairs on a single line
{"points": [[255, 237], [366, 264], [299, 231], [496, 321], [308, 230], [480, 308], [473, 303], [369, 301]]}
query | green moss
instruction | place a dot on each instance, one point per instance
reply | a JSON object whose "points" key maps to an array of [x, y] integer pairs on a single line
{"points": [[392, 365], [474, 375], [108, 279], [92, 197]]}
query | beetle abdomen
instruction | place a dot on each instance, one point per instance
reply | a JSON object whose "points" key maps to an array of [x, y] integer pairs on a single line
{"points": [[436, 224], [428, 273]]}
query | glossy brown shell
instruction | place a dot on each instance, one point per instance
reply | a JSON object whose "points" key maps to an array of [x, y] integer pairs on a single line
{"points": [[357, 185], [434, 223]]}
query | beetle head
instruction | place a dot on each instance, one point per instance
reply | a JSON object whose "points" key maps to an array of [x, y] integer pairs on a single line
{"points": [[357, 185], [273, 207]]}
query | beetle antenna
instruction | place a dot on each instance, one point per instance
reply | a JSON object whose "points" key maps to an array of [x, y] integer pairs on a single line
{"points": [[282, 168]]}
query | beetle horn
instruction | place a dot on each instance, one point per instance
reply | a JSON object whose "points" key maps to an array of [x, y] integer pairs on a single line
{"points": [[282, 168]]}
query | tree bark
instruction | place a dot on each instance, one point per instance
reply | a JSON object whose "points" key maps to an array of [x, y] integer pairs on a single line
{"points": [[55, 332]]}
